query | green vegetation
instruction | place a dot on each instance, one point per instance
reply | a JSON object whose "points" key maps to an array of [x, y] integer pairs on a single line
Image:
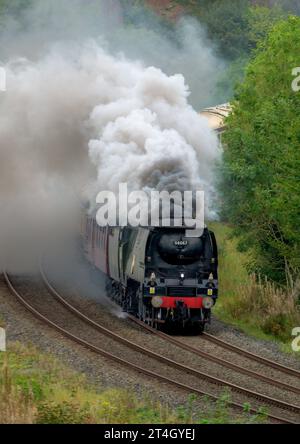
{"points": [[235, 27], [257, 306], [260, 190], [260, 186], [35, 388]]}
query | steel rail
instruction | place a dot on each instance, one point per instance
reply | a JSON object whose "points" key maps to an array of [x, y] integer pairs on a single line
{"points": [[226, 363], [250, 355]]}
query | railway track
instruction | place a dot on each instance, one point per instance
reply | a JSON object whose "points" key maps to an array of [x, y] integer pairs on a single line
{"points": [[262, 398], [253, 356], [232, 366]]}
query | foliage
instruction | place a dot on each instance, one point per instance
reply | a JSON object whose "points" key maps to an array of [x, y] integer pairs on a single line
{"points": [[226, 23], [256, 305], [62, 413], [35, 388], [260, 186], [260, 21], [235, 28]]}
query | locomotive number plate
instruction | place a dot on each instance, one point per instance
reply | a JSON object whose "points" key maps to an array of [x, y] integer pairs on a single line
{"points": [[181, 243]]}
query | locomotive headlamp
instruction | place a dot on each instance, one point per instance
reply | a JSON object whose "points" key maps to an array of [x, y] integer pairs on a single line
{"points": [[157, 302], [153, 277], [207, 303], [152, 280], [181, 279]]}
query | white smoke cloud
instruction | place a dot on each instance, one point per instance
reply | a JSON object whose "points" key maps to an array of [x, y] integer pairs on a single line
{"points": [[79, 117], [150, 137]]}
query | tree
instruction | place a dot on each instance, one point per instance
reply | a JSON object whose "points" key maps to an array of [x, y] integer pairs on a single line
{"points": [[260, 21], [261, 180]]}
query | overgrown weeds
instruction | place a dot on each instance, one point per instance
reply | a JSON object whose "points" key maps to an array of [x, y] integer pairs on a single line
{"points": [[37, 389], [251, 301], [16, 405]]}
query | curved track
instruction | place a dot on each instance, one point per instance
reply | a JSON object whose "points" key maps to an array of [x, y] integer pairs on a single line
{"points": [[77, 313], [226, 363], [253, 356], [233, 348]]}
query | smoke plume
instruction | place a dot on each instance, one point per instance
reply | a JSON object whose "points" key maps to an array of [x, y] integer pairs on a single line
{"points": [[91, 103]]}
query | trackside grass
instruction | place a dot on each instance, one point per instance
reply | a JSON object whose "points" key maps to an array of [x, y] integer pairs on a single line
{"points": [[252, 303], [36, 388]]}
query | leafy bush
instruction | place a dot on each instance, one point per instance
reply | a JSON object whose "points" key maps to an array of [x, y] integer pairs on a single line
{"points": [[260, 186], [257, 305], [276, 325], [62, 413]]}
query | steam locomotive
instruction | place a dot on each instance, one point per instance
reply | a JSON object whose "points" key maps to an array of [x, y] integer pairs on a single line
{"points": [[160, 275]]}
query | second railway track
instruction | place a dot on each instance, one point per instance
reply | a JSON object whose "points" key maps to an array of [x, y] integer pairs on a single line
{"points": [[291, 411], [226, 363]]}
